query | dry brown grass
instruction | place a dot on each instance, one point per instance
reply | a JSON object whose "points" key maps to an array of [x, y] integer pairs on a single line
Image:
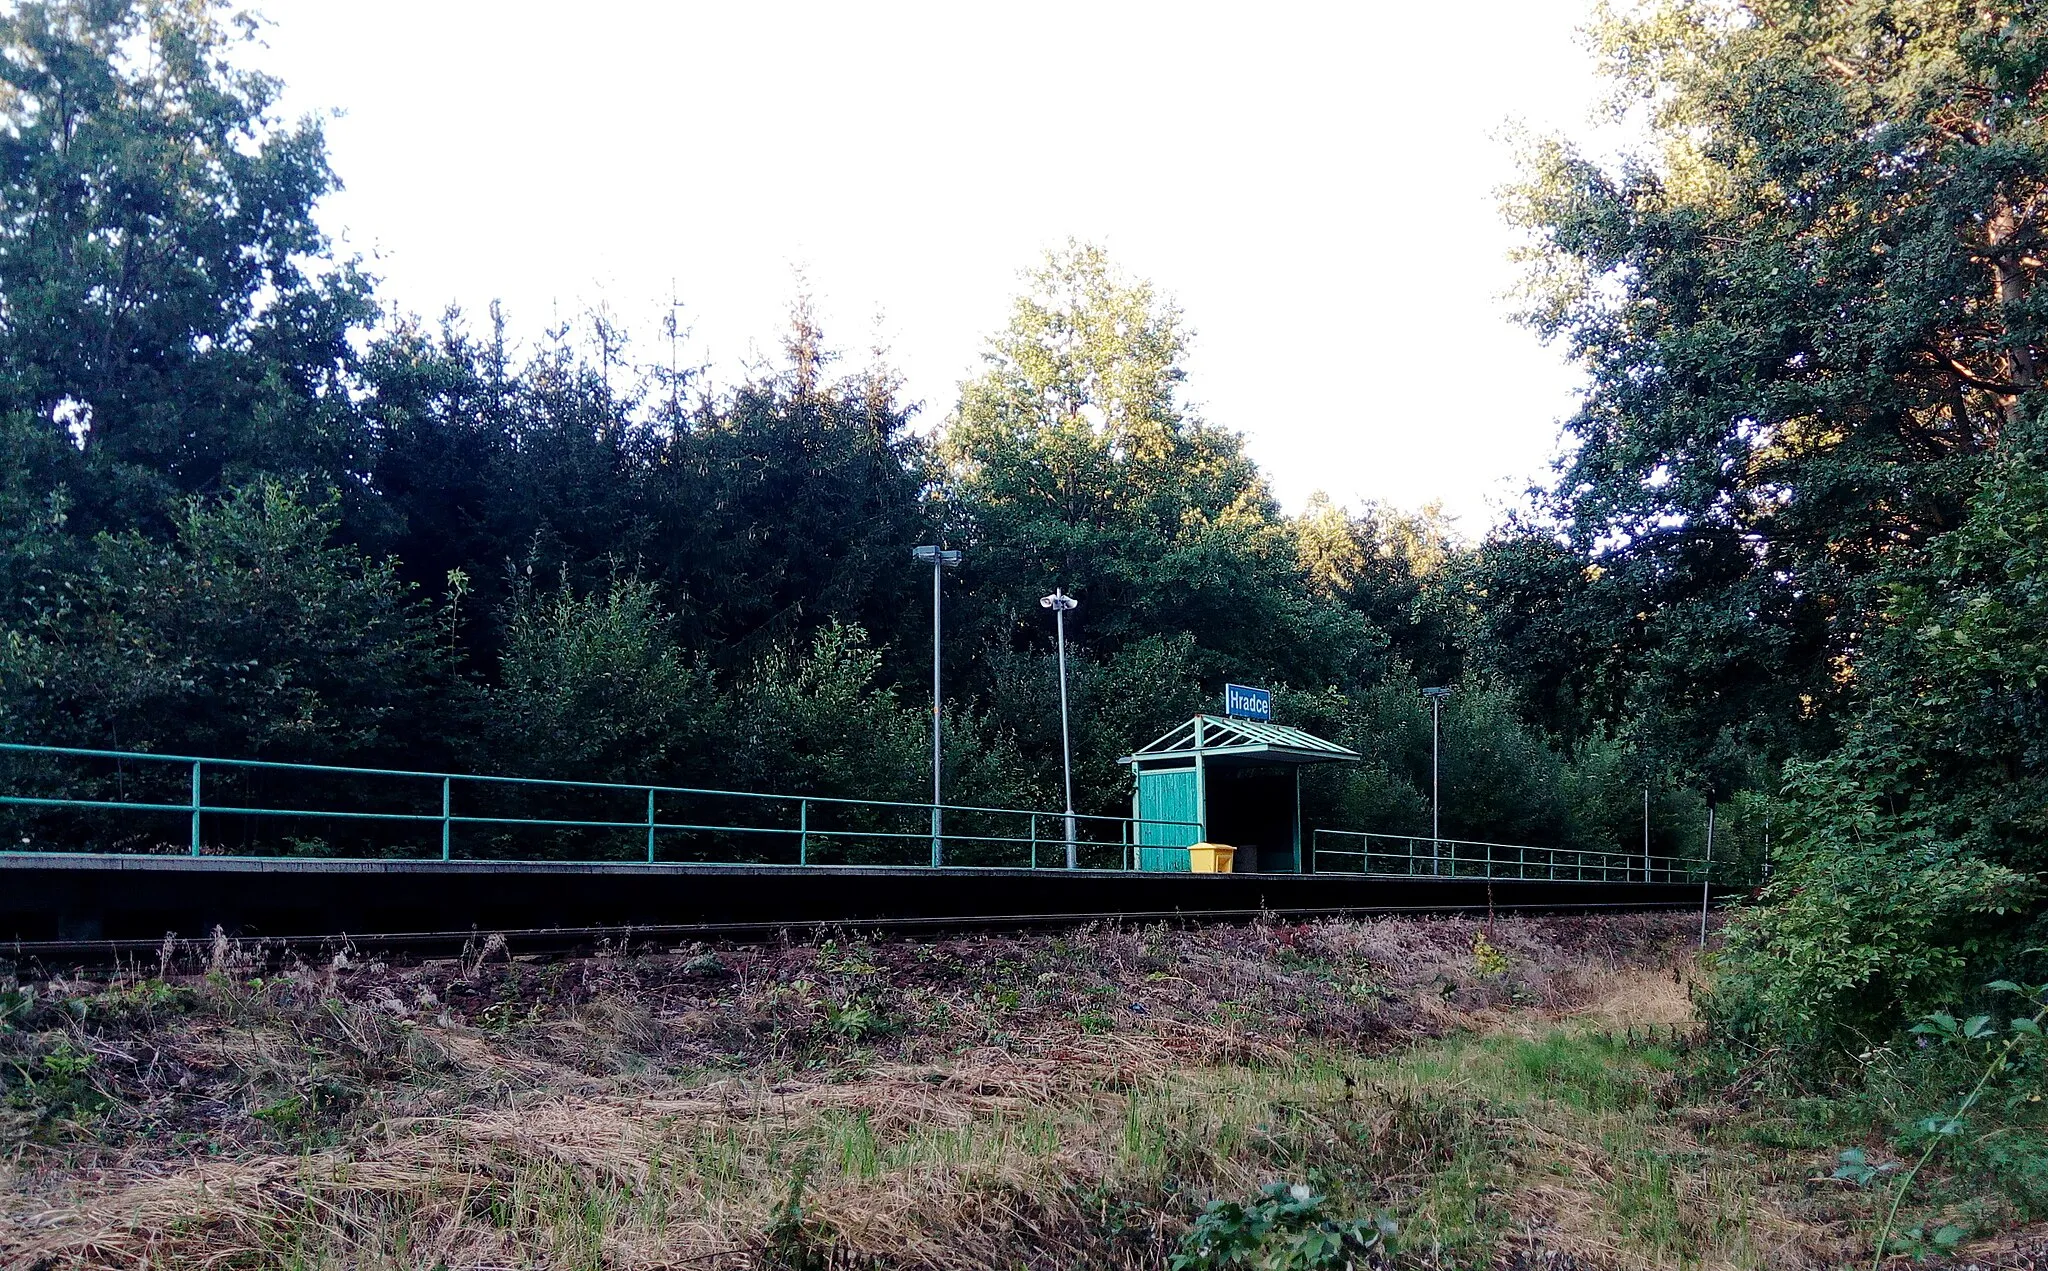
{"points": [[1043, 1101]]}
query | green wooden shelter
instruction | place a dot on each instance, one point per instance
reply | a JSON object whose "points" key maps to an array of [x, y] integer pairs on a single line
{"points": [[1234, 781]]}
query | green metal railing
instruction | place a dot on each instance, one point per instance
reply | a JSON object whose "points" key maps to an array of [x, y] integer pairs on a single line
{"points": [[70, 799], [1419, 855]]}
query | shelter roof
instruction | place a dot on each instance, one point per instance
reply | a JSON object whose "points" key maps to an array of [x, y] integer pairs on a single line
{"points": [[1249, 740]]}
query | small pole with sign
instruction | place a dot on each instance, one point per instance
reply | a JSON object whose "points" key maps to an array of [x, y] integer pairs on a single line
{"points": [[1059, 602]]}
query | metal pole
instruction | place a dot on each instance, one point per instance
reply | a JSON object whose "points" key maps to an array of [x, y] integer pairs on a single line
{"points": [[938, 856], [803, 831], [650, 825], [444, 818], [1646, 831], [1059, 618], [1706, 877], [1436, 799], [1297, 830], [195, 807]]}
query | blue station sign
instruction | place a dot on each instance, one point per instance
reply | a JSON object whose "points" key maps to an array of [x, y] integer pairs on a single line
{"points": [[1243, 702]]}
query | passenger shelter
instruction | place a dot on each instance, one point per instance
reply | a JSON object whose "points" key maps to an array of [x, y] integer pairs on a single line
{"points": [[1234, 781]]}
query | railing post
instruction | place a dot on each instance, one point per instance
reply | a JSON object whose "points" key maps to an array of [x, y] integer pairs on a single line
{"points": [[803, 831], [444, 818], [1034, 840], [195, 807], [650, 825]]}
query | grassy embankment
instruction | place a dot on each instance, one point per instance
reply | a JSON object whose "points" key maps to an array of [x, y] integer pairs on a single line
{"points": [[1036, 1100]]}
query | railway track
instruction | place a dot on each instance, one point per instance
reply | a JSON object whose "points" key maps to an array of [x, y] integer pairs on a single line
{"points": [[57, 907]]}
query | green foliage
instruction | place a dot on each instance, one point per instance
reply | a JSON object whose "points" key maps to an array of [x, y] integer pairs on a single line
{"points": [[1073, 462], [250, 632], [593, 687], [56, 1085], [1284, 1230], [796, 1238], [242, 515], [1976, 1035], [1806, 320], [171, 304], [1910, 855], [1802, 518], [1487, 961]]}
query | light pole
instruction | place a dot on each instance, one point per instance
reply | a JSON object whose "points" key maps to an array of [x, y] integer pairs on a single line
{"points": [[1436, 698], [1059, 602], [940, 559], [1646, 834]]}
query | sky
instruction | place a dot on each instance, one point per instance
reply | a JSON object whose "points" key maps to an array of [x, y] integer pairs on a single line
{"points": [[1314, 184]]}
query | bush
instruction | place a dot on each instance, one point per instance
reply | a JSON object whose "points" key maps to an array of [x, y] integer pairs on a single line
{"points": [[1284, 1230]]}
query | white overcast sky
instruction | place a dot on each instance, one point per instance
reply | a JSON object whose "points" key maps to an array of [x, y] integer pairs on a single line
{"points": [[1313, 183]]}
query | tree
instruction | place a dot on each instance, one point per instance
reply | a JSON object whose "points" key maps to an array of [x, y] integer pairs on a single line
{"points": [[593, 687], [761, 514], [1073, 463], [1808, 314], [1911, 857], [1398, 570], [792, 503], [251, 634], [172, 307]]}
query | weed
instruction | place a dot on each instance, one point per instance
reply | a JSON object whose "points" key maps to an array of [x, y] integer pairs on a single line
{"points": [[1977, 1031], [288, 1116], [853, 1020], [17, 1003], [1285, 1229], [795, 1239], [1488, 962], [56, 1086]]}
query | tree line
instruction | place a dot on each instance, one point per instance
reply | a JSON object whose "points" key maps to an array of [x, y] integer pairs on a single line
{"points": [[1789, 566]]}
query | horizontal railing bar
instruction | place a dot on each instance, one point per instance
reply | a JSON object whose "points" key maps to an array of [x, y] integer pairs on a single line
{"points": [[1423, 856], [633, 787], [1454, 843], [208, 809], [109, 804], [435, 858]]}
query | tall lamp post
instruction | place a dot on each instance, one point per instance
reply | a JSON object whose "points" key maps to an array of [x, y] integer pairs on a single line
{"points": [[1059, 602], [940, 559], [1436, 698]]}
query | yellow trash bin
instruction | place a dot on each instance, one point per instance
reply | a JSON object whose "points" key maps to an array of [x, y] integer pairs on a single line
{"points": [[1210, 858]]}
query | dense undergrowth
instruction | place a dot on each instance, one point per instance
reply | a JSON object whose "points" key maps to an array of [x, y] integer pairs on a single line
{"points": [[1430, 1092]]}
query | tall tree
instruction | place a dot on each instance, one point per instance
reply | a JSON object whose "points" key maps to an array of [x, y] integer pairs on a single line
{"points": [[171, 304], [1808, 311], [1074, 463]]}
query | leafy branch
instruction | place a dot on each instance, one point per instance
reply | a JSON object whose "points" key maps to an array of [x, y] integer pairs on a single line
{"points": [[2023, 1031]]}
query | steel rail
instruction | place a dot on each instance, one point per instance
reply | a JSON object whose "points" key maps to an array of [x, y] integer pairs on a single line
{"points": [[534, 940]]}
